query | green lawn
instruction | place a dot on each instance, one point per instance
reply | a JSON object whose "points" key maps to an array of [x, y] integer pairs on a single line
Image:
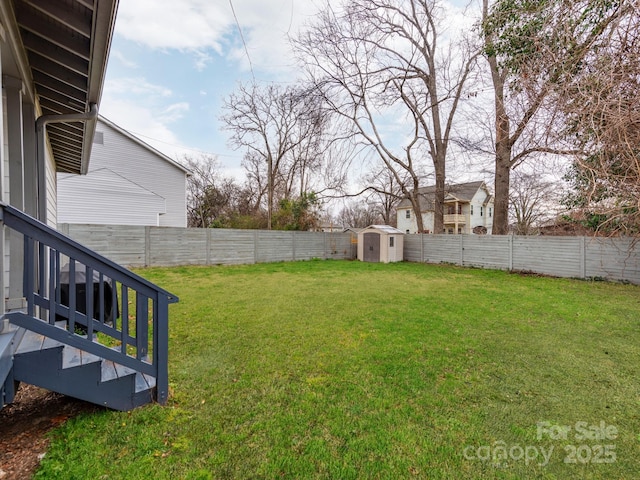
{"points": [[329, 369]]}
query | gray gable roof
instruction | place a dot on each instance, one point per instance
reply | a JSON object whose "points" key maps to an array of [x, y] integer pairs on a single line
{"points": [[461, 191]]}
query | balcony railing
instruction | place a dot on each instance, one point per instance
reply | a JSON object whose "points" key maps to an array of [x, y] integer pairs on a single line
{"points": [[80, 298], [455, 218]]}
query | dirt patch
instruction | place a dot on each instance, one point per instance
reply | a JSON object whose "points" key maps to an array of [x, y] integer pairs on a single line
{"points": [[530, 273], [24, 425]]}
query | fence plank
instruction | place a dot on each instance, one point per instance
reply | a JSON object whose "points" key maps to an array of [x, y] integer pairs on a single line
{"points": [[123, 244], [486, 251], [557, 256]]}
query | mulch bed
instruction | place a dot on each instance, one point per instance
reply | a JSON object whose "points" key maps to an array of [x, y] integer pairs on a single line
{"points": [[24, 426]]}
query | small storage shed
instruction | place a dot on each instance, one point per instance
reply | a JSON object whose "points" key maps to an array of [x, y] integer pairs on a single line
{"points": [[380, 243]]}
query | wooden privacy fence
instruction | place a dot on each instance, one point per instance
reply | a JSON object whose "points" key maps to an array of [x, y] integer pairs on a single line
{"points": [[138, 246], [574, 257]]}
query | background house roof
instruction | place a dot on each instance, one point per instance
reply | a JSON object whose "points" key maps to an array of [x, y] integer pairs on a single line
{"points": [[461, 191], [65, 49]]}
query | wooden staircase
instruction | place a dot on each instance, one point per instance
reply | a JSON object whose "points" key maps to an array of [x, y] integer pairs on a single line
{"points": [[39, 360], [91, 329]]}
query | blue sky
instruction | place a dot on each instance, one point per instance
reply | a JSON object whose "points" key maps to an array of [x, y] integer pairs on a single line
{"points": [[173, 62]]}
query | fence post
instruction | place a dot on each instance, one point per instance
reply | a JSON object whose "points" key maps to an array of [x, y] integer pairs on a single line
{"points": [[510, 243], [208, 246], [147, 246], [293, 246], [583, 258], [327, 254], [255, 246]]}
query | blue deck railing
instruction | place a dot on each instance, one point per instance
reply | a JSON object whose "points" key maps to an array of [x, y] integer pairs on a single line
{"points": [[80, 298]]}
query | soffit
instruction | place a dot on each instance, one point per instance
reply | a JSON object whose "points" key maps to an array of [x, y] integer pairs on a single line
{"points": [[67, 45]]}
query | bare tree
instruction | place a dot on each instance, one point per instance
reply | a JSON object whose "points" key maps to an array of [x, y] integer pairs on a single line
{"points": [[383, 193], [534, 200], [359, 214], [205, 175], [531, 48], [379, 59], [280, 128], [214, 200]]}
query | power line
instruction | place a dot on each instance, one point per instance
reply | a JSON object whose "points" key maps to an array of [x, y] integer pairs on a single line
{"points": [[233, 10], [182, 147]]}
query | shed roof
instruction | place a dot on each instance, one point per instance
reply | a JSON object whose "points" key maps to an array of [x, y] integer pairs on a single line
{"points": [[384, 229]]}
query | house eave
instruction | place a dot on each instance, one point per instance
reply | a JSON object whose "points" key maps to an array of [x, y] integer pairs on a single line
{"points": [[61, 50]]}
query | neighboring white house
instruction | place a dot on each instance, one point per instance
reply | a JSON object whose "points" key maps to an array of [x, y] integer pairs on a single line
{"points": [[128, 183], [468, 209]]}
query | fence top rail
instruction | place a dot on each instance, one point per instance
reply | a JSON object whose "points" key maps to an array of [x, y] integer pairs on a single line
{"points": [[20, 221]]}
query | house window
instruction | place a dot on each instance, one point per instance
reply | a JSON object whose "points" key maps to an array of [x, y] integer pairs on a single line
{"points": [[480, 211], [471, 209], [391, 241], [451, 231], [408, 214], [459, 209], [450, 210], [407, 231], [490, 211], [459, 230]]}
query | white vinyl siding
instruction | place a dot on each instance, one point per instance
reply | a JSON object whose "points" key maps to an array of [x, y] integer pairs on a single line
{"points": [[109, 199], [127, 184]]}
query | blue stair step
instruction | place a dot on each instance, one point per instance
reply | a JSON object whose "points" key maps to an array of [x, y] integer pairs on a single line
{"points": [[71, 371]]}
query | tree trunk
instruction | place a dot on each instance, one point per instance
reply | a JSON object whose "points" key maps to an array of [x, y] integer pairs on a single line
{"points": [[415, 203], [501, 201], [503, 164], [504, 142], [438, 205], [269, 191]]}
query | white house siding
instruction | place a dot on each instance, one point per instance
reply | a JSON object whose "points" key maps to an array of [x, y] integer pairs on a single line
{"points": [[115, 204], [406, 225], [410, 225], [484, 220], [108, 199]]}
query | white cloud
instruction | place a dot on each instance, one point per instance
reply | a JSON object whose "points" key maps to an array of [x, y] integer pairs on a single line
{"points": [[146, 110], [201, 27], [123, 59], [136, 86], [266, 27], [183, 25], [143, 122], [174, 112]]}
